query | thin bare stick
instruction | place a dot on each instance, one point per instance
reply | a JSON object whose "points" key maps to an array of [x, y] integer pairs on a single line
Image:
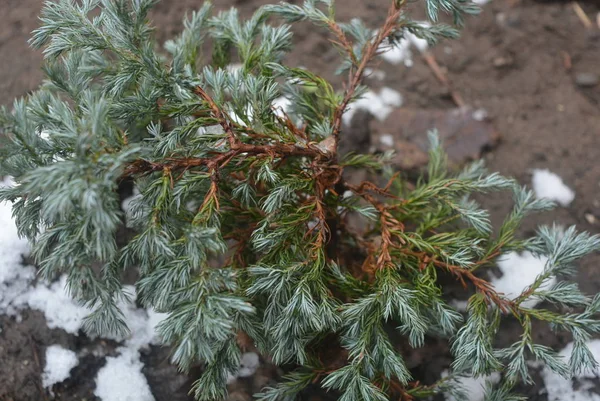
{"points": [[585, 20], [441, 76]]}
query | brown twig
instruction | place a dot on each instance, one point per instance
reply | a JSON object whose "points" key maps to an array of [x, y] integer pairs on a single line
{"points": [[368, 53], [441, 76], [36, 359], [567, 62], [585, 20], [463, 274]]}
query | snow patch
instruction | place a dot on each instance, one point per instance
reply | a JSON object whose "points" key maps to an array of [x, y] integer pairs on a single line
{"points": [[60, 310], [479, 115], [390, 97], [59, 362], [121, 379], [401, 52], [473, 387], [14, 277], [281, 105], [130, 204], [386, 140], [379, 104], [248, 364], [518, 272], [548, 185], [141, 323], [375, 74], [582, 388]]}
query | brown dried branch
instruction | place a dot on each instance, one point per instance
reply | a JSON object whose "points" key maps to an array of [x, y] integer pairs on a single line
{"points": [[369, 53]]}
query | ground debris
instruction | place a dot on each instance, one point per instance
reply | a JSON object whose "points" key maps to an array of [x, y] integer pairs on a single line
{"points": [[464, 133]]}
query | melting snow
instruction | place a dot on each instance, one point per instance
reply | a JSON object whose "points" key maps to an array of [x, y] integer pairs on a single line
{"points": [[59, 362], [473, 387], [518, 272], [60, 310], [548, 185], [387, 140], [582, 389], [379, 104], [375, 74], [402, 52], [121, 379], [14, 277], [248, 364]]}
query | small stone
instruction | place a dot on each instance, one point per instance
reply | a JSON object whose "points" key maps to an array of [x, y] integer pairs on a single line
{"points": [[590, 218], [587, 79], [502, 62]]}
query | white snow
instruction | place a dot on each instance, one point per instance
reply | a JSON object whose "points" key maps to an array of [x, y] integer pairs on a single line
{"points": [[131, 384], [128, 205], [474, 387], [379, 104], [59, 362], [582, 388], [121, 379], [390, 97], [402, 52], [386, 140], [375, 74], [60, 310], [16, 290], [14, 277], [248, 364], [479, 115], [45, 135], [141, 323], [281, 105], [518, 272], [548, 185]]}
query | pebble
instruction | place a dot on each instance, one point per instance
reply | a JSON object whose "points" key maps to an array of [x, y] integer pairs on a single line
{"points": [[587, 79], [590, 218], [502, 62]]}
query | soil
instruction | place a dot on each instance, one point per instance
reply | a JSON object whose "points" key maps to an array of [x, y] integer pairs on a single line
{"points": [[527, 64]]}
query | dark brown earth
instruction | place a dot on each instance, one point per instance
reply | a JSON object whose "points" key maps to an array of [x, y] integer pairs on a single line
{"points": [[520, 61]]}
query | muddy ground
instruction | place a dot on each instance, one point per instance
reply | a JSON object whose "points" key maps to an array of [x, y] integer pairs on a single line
{"points": [[521, 61]]}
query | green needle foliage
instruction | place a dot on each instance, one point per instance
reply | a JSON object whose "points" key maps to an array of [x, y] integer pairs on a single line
{"points": [[242, 217]]}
